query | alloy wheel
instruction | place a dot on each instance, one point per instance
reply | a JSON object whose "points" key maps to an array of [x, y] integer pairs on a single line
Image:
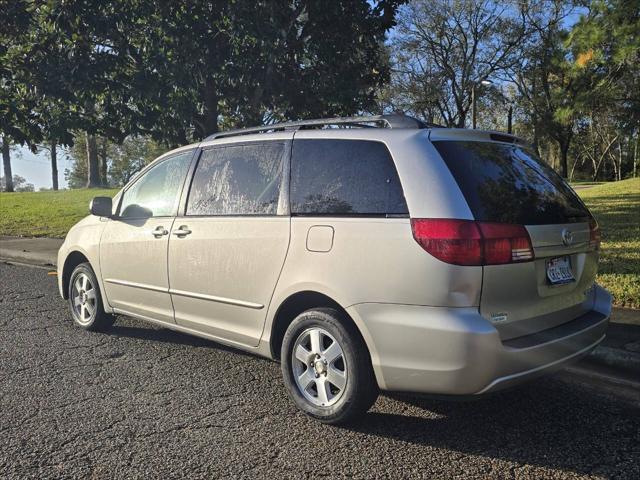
{"points": [[319, 367], [83, 294]]}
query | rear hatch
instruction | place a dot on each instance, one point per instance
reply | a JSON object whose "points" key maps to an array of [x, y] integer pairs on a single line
{"points": [[505, 183]]}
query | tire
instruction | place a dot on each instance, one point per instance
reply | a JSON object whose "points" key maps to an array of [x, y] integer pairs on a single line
{"points": [[332, 385], [85, 300]]}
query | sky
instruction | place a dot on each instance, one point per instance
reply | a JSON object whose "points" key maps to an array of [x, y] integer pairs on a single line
{"points": [[37, 168]]}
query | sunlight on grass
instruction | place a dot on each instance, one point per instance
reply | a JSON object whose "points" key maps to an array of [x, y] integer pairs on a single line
{"points": [[45, 214], [616, 206]]}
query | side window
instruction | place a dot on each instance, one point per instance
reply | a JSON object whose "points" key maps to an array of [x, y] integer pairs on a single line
{"points": [[157, 192], [237, 180], [344, 177]]}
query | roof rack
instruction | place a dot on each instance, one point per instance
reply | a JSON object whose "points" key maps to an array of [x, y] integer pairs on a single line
{"points": [[388, 121]]}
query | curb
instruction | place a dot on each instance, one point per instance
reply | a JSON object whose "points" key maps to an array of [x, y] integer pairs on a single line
{"points": [[612, 380], [10, 261], [30, 259], [616, 358]]}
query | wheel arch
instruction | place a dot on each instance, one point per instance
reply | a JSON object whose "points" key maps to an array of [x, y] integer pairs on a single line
{"points": [[73, 259], [297, 303]]}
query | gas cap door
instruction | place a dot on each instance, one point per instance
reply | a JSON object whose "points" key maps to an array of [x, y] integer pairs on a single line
{"points": [[320, 238]]}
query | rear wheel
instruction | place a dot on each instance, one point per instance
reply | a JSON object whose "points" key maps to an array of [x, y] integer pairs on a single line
{"points": [[85, 300], [326, 367]]}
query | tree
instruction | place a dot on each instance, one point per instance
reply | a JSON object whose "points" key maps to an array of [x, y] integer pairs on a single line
{"points": [[19, 184], [606, 44], [545, 79], [606, 48], [76, 176], [445, 49], [6, 164], [52, 148], [247, 62], [179, 72], [130, 157], [18, 97], [118, 162]]}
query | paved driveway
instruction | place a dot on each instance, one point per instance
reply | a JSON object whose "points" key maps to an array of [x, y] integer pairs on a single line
{"points": [[144, 402]]}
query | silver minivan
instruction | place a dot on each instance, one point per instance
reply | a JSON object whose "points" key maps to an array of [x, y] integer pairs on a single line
{"points": [[365, 254]]}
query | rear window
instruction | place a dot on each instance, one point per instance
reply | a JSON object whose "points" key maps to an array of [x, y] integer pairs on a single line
{"points": [[344, 177], [507, 183]]}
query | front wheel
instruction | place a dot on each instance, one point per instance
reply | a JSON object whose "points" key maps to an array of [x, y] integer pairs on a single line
{"points": [[326, 367], [85, 300]]}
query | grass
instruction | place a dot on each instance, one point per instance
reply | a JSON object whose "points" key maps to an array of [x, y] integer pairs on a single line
{"points": [[586, 183], [45, 214], [616, 206]]}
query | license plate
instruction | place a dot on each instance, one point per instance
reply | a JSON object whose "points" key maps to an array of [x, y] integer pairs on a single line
{"points": [[559, 271]]}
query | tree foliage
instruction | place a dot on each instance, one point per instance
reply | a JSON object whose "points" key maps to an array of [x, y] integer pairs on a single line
{"points": [[20, 184], [570, 71], [444, 49], [179, 71]]}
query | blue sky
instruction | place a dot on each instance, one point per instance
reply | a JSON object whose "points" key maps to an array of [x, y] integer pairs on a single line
{"points": [[37, 168]]}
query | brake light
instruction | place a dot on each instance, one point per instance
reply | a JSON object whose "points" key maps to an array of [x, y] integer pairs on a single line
{"points": [[466, 242], [594, 235], [452, 241], [505, 243]]}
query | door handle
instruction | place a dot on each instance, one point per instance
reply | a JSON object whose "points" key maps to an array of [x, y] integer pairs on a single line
{"points": [[160, 231], [182, 232]]}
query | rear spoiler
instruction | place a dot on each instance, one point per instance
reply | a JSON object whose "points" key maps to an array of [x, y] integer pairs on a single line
{"points": [[463, 134]]}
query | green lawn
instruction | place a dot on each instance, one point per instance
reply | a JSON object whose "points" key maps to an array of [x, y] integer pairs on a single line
{"points": [[616, 206], [45, 214]]}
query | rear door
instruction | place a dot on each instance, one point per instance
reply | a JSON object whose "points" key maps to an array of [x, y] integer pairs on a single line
{"points": [[506, 183], [228, 246]]}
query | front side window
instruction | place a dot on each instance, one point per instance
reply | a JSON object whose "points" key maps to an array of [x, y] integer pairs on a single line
{"points": [[344, 177], [157, 192], [238, 180]]}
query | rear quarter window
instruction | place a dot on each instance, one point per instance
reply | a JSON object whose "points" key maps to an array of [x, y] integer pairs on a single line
{"points": [[344, 177], [508, 184]]}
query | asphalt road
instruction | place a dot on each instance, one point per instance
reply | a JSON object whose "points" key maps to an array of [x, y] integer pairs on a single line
{"points": [[143, 402]]}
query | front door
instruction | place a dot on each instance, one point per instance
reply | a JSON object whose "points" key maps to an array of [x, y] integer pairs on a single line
{"points": [[133, 247], [227, 250]]}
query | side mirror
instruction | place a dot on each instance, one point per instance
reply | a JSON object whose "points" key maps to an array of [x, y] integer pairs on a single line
{"points": [[101, 207]]}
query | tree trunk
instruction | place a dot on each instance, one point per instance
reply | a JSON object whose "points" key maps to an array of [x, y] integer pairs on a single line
{"points": [[635, 156], [6, 162], [210, 108], [54, 165], [93, 166], [575, 164], [620, 160], [103, 163], [564, 154], [536, 137]]}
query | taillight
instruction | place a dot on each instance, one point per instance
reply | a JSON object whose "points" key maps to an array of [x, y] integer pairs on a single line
{"points": [[594, 235], [452, 241], [505, 243], [466, 242]]}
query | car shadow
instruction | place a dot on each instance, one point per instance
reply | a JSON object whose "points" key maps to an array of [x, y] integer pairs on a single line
{"points": [[548, 423], [131, 328]]}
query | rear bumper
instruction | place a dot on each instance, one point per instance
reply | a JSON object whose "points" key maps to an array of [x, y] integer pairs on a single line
{"points": [[455, 351]]}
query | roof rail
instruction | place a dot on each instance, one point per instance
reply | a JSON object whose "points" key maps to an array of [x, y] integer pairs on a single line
{"points": [[390, 121]]}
